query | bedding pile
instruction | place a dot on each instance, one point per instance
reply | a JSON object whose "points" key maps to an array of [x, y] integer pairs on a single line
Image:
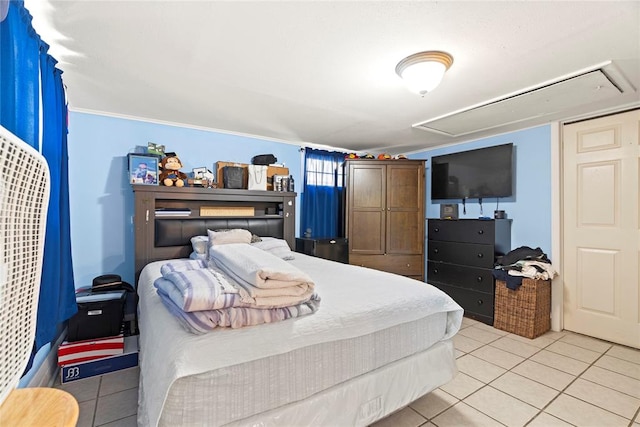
{"points": [[239, 286]]}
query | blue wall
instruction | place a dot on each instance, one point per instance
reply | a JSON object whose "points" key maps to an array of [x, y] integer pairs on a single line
{"points": [[101, 198], [102, 201], [530, 208]]}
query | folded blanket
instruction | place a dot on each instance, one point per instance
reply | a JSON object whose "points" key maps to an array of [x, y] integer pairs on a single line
{"points": [[258, 268], [199, 322], [194, 287], [183, 265], [201, 289]]}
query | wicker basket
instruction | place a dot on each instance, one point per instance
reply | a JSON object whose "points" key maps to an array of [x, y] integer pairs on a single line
{"points": [[525, 311]]}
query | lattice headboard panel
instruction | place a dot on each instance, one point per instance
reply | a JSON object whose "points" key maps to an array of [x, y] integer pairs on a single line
{"points": [[24, 200]]}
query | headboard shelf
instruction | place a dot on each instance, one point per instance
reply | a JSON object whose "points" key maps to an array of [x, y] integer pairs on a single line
{"points": [[165, 218]]}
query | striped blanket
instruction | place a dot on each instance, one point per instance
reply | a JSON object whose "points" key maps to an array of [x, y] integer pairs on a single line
{"points": [[194, 287], [199, 322], [203, 298]]}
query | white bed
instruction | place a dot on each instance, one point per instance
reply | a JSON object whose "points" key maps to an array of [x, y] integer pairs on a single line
{"points": [[378, 342]]}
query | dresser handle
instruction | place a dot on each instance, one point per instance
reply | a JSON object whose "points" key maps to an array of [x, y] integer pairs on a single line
{"points": [[480, 231], [435, 251], [408, 265], [479, 279], [480, 302], [435, 271], [480, 255], [436, 229]]}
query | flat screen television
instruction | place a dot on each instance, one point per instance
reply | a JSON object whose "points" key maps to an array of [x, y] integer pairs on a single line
{"points": [[473, 174]]}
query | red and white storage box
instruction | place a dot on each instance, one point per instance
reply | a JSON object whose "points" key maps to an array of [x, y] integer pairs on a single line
{"points": [[102, 365], [82, 351]]}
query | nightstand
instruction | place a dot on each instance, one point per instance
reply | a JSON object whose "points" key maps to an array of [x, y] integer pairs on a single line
{"points": [[335, 249]]}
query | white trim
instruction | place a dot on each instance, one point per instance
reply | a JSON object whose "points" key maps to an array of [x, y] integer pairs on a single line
{"points": [[557, 291], [208, 129], [47, 372]]}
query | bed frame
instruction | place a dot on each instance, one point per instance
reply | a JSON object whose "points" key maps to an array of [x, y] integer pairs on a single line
{"points": [[166, 218]]}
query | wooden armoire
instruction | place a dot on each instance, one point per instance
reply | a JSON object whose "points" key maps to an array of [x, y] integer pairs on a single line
{"points": [[385, 215]]}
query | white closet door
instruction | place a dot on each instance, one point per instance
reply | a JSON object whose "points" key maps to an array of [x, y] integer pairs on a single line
{"points": [[601, 228]]}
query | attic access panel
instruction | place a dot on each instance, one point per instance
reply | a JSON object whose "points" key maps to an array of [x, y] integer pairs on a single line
{"points": [[573, 92]]}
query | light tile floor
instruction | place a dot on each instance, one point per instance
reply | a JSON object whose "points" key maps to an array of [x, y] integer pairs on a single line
{"points": [[558, 379]]}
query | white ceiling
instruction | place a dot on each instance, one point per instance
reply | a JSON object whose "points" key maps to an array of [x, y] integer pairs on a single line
{"points": [[324, 72]]}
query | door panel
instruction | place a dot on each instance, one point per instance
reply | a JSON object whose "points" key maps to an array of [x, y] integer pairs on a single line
{"points": [[601, 233], [364, 234], [405, 222], [366, 209], [370, 184], [404, 182], [405, 232]]}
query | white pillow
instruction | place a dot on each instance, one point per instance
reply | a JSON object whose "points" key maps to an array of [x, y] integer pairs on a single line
{"points": [[277, 247], [200, 244], [236, 235], [254, 237], [195, 255]]}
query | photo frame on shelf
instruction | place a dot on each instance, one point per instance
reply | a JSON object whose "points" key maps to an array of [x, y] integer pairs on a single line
{"points": [[143, 169]]}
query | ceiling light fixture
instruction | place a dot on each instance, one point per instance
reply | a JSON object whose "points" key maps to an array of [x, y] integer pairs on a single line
{"points": [[423, 71]]}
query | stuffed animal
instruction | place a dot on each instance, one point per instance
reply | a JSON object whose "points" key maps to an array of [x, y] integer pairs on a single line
{"points": [[368, 156], [171, 174], [351, 156], [384, 156]]}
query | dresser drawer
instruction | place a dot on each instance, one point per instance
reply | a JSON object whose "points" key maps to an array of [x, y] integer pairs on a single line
{"points": [[406, 265], [471, 254], [478, 279], [474, 303], [462, 231]]}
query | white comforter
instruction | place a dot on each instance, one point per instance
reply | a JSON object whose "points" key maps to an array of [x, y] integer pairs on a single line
{"points": [[355, 301]]}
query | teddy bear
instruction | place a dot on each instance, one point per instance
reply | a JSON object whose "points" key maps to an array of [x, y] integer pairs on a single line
{"points": [[171, 174]]}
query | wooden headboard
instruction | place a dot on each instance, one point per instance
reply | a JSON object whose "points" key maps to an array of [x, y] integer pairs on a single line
{"points": [[165, 218]]}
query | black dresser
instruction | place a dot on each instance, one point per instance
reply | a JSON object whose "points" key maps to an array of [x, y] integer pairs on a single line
{"points": [[460, 260], [335, 249]]}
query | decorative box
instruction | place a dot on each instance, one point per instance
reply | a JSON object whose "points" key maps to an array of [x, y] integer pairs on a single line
{"points": [[83, 351], [127, 359]]}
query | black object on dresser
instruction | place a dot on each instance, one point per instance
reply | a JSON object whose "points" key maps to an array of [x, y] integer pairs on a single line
{"points": [[461, 257], [335, 249]]}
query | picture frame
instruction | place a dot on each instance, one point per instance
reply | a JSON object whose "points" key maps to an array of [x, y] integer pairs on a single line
{"points": [[449, 211], [143, 169], [199, 173]]}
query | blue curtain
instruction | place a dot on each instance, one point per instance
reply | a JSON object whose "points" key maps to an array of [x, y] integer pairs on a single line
{"points": [[24, 63], [19, 61], [57, 289], [323, 197]]}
